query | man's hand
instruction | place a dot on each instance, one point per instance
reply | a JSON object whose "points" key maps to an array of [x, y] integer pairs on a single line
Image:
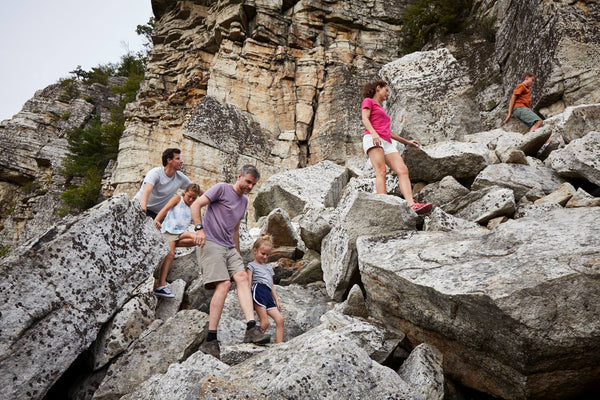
{"points": [[200, 238]]}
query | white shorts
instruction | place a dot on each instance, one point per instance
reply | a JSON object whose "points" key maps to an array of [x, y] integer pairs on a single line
{"points": [[388, 148]]}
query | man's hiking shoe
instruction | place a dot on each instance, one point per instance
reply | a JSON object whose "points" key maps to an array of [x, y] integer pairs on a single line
{"points": [[163, 291], [211, 348], [254, 335], [422, 208]]}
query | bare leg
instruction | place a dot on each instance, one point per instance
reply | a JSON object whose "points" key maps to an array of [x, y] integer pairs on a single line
{"points": [[378, 161], [216, 304], [244, 294], [262, 317], [396, 163], [166, 265], [278, 318], [537, 124]]}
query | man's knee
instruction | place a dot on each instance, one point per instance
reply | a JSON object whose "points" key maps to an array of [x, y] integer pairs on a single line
{"points": [[241, 278], [222, 286]]}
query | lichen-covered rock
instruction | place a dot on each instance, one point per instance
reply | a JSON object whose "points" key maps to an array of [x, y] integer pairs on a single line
{"points": [[320, 184], [434, 162], [439, 220], [535, 210], [59, 289], [159, 346], [423, 371], [579, 159], [359, 213], [125, 327], [482, 205], [179, 380], [519, 178], [442, 192], [513, 316], [315, 223], [430, 97], [167, 307]]}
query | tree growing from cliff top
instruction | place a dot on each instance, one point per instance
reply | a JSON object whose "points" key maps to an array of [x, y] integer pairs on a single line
{"points": [[424, 18]]}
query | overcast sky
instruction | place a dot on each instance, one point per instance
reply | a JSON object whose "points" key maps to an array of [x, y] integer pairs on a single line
{"points": [[42, 40]]}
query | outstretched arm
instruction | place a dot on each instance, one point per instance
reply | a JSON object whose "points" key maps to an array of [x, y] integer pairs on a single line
{"points": [[196, 210], [163, 212], [510, 108], [146, 195], [405, 141]]}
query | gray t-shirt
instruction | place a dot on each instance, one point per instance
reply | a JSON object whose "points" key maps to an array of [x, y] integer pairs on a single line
{"points": [[225, 210], [163, 187], [261, 274]]}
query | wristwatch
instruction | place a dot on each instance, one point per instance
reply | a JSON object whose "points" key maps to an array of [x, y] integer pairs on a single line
{"points": [[198, 227]]}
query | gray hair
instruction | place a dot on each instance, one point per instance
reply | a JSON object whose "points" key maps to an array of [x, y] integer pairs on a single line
{"points": [[249, 169]]}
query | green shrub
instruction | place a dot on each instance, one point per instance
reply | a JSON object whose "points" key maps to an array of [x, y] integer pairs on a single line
{"points": [[423, 18], [69, 89], [4, 250]]}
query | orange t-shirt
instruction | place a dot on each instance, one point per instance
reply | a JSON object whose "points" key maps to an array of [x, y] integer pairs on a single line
{"points": [[523, 94]]}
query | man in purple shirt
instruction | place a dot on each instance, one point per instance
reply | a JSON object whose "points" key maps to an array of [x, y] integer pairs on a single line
{"points": [[219, 253]]}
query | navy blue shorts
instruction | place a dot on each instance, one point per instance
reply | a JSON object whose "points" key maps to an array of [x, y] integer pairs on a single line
{"points": [[261, 294]]}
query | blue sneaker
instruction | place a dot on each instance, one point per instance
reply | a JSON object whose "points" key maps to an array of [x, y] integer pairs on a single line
{"points": [[163, 291]]}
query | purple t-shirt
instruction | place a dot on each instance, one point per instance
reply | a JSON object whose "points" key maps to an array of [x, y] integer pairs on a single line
{"points": [[379, 119], [225, 210]]}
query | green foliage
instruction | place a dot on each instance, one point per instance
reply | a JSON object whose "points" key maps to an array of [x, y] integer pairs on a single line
{"points": [[4, 250], [91, 148], [66, 116], [423, 18], [69, 89]]}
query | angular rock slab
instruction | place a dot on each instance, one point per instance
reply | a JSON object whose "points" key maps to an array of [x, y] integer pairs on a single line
{"points": [[520, 178], [58, 290], [514, 314], [483, 205], [319, 184], [434, 162], [429, 97], [580, 159], [359, 213], [160, 346], [316, 365]]}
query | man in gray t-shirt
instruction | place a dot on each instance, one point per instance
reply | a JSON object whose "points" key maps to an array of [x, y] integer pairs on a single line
{"points": [[218, 253], [162, 183]]}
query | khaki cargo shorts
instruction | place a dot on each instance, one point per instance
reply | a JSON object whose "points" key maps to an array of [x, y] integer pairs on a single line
{"points": [[218, 263]]}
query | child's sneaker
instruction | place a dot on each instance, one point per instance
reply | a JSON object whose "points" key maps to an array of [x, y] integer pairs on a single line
{"points": [[163, 291], [422, 208], [211, 348], [254, 335]]}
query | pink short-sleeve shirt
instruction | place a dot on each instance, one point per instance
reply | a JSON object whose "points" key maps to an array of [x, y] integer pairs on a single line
{"points": [[379, 119]]}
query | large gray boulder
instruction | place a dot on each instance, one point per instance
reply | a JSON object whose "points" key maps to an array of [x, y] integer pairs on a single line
{"points": [[125, 327], [59, 289], [434, 162], [315, 365], [320, 184], [519, 178], [359, 213], [442, 192], [161, 345], [430, 97], [514, 314], [579, 159], [483, 205]]}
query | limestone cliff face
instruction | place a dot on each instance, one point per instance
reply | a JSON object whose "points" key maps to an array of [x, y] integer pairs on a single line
{"points": [[292, 69], [32, 147]]}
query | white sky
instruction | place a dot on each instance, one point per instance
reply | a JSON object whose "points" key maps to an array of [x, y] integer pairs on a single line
{"points": [[42, 40]]}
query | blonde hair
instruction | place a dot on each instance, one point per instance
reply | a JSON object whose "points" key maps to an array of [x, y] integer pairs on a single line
{"points": [[263, 240], [194, 188]]}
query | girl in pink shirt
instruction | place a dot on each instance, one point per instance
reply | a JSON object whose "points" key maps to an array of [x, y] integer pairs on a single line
{"points": [[377, 144]]}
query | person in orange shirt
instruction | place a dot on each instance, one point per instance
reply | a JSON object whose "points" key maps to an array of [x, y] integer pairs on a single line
{"points": [[520, 103]]}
